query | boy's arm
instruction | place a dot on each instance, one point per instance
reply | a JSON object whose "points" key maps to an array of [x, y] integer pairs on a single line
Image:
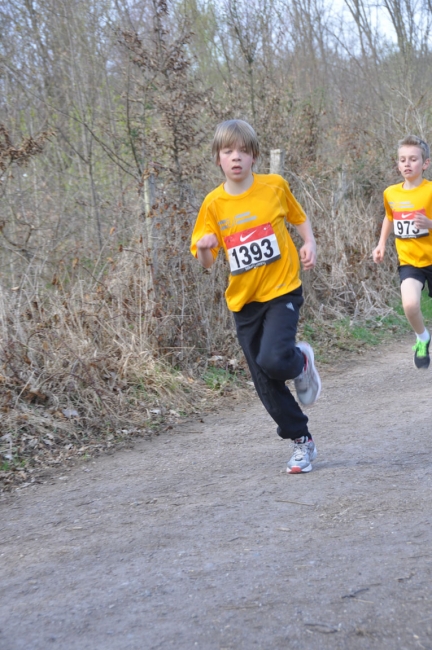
{"points": [[421, 221], [204, 242], [204, 253], [379, 251], [307, 252]]}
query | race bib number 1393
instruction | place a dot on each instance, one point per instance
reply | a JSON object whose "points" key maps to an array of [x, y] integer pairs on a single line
{"points": [[251, 248]]}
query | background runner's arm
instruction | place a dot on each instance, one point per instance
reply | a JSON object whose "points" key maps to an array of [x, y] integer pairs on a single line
{"points": [[308, 251], [204, 246], [378, 252], [421, 221]]}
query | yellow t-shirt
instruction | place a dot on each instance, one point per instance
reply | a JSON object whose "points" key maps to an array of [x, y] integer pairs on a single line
{"points": [[413, 245], [251, 228]]}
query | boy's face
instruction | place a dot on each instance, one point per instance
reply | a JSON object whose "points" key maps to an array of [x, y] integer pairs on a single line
{"points": [[410, 162], [235, 162]]}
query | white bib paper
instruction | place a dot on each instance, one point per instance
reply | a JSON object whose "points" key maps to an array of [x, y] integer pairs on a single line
{"points": [[251, 248], [404, 225]]}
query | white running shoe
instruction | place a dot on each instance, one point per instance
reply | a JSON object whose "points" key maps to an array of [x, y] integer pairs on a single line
{"points": [[308, 383], [305, 452]]}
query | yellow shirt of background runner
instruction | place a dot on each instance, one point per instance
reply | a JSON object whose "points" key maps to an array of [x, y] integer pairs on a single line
{"points": [[268, 200], [416, 252]]}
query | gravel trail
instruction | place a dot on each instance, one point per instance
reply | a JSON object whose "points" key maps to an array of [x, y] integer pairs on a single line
{"points": [[199, 539]]}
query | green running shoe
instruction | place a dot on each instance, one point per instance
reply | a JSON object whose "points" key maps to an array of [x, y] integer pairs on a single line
{"points": [[421, 354]]}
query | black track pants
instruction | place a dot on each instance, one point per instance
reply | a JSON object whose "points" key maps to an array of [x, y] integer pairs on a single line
{"points": [[266, 332]]}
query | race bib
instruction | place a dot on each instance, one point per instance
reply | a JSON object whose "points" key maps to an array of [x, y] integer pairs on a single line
{"points": [[404, 226], [251, 248]]}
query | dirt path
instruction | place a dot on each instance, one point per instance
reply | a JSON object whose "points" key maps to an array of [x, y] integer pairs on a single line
{"points": [[199, 539]]}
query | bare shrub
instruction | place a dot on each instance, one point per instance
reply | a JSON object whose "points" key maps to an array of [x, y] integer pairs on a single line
{"points": [[79, 369], [11, 154]]}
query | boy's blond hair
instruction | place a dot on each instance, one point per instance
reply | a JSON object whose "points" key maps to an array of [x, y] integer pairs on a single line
{"points": [[415, 141], [232, 132]]}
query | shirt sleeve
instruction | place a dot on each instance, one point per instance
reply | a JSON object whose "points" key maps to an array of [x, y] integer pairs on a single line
{"points": [[388, 210], [205, 225], [295, 214]]}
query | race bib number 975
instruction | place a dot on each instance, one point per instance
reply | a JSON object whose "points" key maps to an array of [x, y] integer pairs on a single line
{"points": [[251, 248], [404, 225]]}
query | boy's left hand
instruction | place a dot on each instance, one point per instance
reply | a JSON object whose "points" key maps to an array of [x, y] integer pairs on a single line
{"points": [[308, 255], [421, 221]]}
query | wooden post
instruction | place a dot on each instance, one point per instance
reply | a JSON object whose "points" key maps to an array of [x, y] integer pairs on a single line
{"points": [[148, 198], [277, 161], [149, 194]]}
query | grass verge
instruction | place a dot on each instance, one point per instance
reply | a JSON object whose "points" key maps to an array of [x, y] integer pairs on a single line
{"points": [[357, 337], [55, 411]]}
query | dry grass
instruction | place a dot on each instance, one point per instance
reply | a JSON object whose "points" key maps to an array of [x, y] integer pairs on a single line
{"points": [[82, 370], [118, 347], [104, 355], [98, 349], [346, 281]]}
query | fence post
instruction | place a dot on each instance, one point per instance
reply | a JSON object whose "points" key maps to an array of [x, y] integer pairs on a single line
{"points": [[277, 161], [148, 198], [149, 194]]}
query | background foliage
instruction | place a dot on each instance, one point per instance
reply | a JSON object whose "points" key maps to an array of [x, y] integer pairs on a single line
{"points": [[107, 110]]}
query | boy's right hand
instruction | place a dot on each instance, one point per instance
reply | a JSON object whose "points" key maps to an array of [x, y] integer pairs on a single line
{"points": [[378, 253], [204, 246], [207, 242]]}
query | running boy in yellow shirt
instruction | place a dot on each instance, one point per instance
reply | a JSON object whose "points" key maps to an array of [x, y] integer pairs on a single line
{"points": [[408, 207], [246, 216]]}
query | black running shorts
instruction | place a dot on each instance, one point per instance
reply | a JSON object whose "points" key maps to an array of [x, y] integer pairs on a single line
{"points": [[420, 273]]}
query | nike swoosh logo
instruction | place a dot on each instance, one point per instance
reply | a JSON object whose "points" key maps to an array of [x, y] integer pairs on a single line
{"points": [[244, 237]]}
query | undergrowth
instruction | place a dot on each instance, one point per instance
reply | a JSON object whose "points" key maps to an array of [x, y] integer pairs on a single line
{"points": [[357, 336], [103, 407], [83, 370], [86, 367]]}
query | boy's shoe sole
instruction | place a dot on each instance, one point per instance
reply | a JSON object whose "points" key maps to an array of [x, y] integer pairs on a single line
{"points": [[423, 361], [308, 384], [299, 470]]}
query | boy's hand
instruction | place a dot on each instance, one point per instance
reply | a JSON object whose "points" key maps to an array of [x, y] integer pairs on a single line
{"points": [[378, 253], [204, 246], [207, 242], [421, 221], [308, 255]]}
